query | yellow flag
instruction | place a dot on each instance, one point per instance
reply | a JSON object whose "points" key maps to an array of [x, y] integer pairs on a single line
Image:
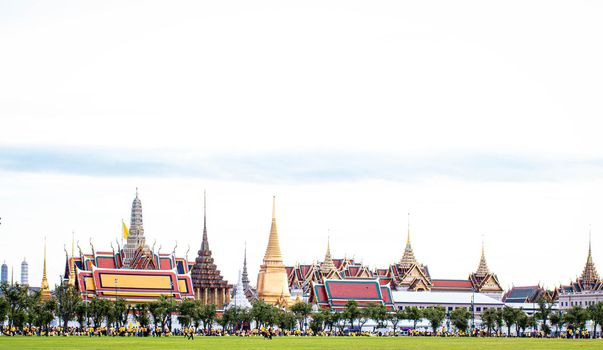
{"points": [[126, 232]]}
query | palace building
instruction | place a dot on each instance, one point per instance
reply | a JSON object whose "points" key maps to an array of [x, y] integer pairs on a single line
{"points": [[208, 284], [273, 286], [136, 272], [333, 282], [585, 290]]}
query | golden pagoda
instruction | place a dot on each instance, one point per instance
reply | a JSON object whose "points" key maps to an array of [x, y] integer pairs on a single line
{"points": [[44, 288], [273, 286]]}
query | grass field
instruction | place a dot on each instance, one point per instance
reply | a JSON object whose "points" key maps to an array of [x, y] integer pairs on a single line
{"points": [[293, 343]]}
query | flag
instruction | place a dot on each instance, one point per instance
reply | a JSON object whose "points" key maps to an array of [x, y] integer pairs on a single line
{"points": [[125, 229]]}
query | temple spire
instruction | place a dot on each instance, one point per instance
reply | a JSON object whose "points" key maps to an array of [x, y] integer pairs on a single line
{"points": [[408, 230], [589, 276], [482, 269], [327, 265], [408, 258], [71, 280], [273, 251], [205, 242], [44, 288], [244, 274]]}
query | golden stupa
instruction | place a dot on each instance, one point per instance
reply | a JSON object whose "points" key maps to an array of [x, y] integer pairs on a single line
{"points": [[273, 287]]}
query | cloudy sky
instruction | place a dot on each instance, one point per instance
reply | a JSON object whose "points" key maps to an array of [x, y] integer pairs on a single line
{"points": [[481, 119]]}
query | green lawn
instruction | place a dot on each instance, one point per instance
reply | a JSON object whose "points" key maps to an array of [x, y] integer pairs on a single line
{"points": [[344, 343]]}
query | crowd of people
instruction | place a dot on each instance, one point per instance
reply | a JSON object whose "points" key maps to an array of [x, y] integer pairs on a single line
{"points": [[269, 332]]}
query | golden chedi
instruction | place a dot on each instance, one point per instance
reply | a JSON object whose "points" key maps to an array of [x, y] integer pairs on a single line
{"points": [[273, 287]]}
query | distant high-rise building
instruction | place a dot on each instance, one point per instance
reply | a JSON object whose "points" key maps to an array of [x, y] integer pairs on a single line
{"points": [[4, 274], [24, 273]]}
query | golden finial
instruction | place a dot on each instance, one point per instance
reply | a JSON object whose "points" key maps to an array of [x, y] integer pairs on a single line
{"points": [[408, 229], [273, 207]]}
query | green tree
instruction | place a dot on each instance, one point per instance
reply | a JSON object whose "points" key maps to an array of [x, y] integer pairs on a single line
{"points": [[317, 322], [121, 311], [141, 314], [595, 312], [301, 310], [68, 300], [379, 314], [15, 296], [556, 321], [81, 314], [544, 311], [186, 312], [259, 312], [208, 316], [351, 312], [287, 320], [509, 316], [395, 317], [435, 315], [414, 314], [575, 318], [3, 308], [44, 313], [489, 317], [460, 318]]}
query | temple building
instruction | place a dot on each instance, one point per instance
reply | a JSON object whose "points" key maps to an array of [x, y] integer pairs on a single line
{"points": [[208, 284], [273, 286], [250, 292], [135, 272], [586, 289]]}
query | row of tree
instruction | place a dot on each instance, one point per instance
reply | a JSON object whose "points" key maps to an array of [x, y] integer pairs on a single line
{"points": [[22, 308]]}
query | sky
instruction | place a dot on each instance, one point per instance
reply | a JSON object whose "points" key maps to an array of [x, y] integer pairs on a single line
{"points": [[480, 119]]}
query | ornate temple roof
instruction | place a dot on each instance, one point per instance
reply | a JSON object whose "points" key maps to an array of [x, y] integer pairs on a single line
{"points": [[205, 273], [589, 275], [327, 265], [482, 269], [408, 258]]}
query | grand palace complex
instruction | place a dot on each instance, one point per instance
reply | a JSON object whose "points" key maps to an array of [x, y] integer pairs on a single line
{"points": [[138, 272]]}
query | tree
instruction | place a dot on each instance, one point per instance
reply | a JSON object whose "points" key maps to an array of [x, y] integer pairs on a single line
{"points": [[208, 315], [509, 316], [317, 322], [556, 321], [435, 315], [301, 310], [15, 296], [259, 311], [141, 314], [379, 314], [186, 310], [521, 323], [395, 317], [351, 312], [460, 318], [576, 317], [121, 311], [287, 320], [595, 312], [81, 314], [329, 318], [489, 317], [3, 308], [68, 300], [414, 314], [44, 313], [544, 310]]}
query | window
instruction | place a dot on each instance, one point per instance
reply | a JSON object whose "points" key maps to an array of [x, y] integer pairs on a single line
{"points": [[478, 309]]}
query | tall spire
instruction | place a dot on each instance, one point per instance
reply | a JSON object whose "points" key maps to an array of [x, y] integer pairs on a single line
{"points": [[408, 258], [244, 274], [327, 265], [273, 251], [589, 275], [71, 280], [44, 288], [482, 269], [204, 242]]}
